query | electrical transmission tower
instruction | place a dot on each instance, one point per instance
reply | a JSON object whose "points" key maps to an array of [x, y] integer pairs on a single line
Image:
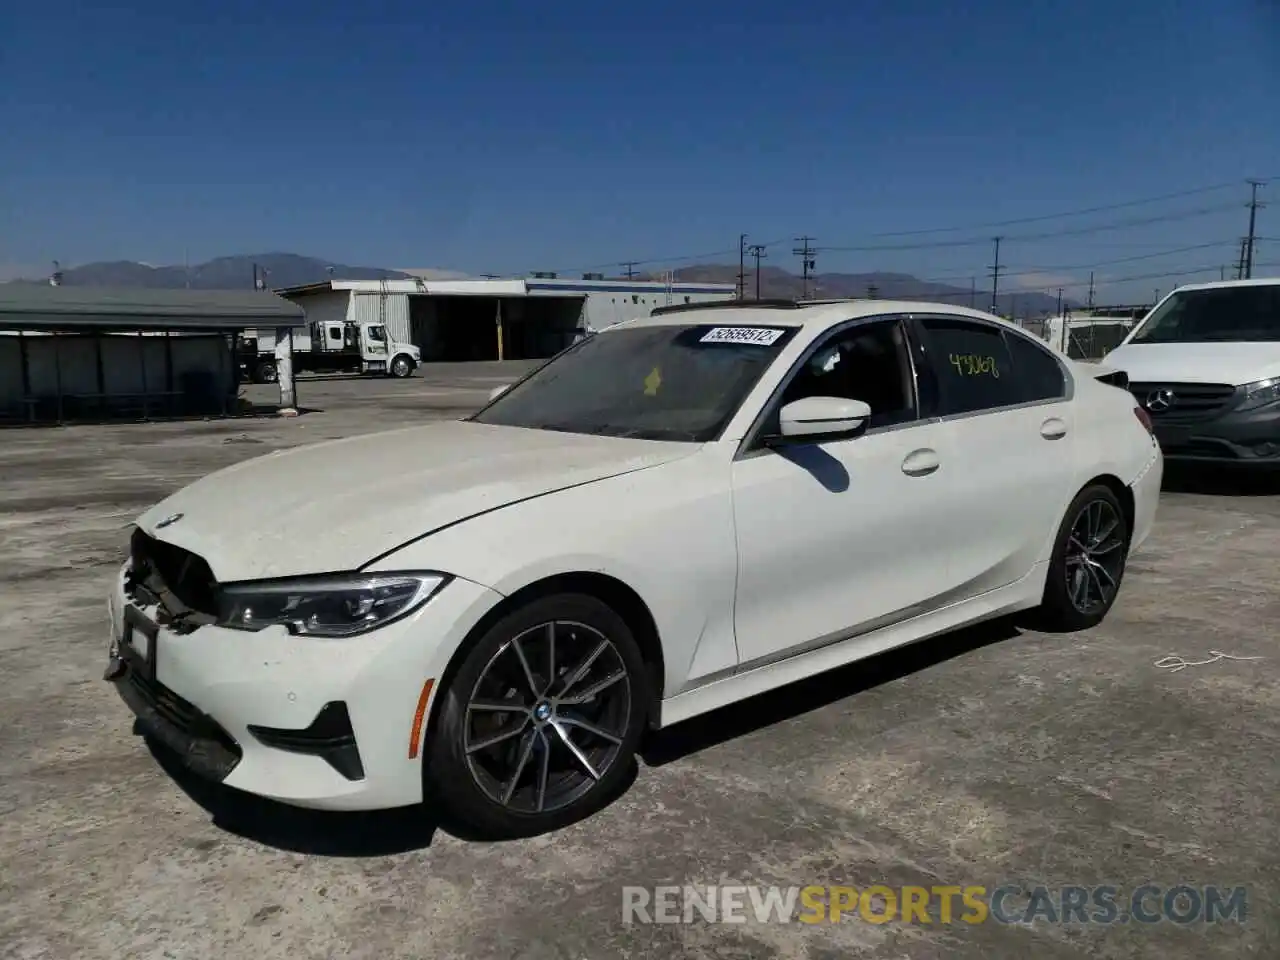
{"points": [[995, 277], [1252, 238], [630, 267], [807, 254], [757, 251]]}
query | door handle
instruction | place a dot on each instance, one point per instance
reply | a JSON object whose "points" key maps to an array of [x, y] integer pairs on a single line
{"points": [[921, 463], [1053, 429]]}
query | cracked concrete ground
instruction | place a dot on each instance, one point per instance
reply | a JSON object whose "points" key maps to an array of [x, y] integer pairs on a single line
{"points": [[987, 757]]}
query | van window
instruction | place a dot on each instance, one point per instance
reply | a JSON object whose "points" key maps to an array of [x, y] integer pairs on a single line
{"points": [[1246, 314]]}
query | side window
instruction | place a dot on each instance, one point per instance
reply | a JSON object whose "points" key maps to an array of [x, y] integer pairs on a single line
{"points": [[972, 364], [867, 362], [335, 333], [1039, 373]]}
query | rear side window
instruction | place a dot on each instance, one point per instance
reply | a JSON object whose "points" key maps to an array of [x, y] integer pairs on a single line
{"points": [[972, 364], [1039, 372]]}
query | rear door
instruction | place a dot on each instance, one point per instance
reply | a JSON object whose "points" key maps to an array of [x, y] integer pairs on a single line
{"points": [[1006, 402]]}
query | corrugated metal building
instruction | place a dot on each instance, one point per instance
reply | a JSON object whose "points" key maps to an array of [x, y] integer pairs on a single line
{"points": [[89, 352], [493, 319]]}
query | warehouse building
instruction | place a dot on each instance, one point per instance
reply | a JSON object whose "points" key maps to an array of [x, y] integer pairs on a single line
{"points": [[474, 319]]}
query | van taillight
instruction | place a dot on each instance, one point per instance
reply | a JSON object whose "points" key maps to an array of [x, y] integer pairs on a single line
{"points": [[1144, 418]]}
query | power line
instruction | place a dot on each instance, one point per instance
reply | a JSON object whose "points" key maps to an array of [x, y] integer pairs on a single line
{"points": [[1104, 208], [1027, 271], [1028, 237]]}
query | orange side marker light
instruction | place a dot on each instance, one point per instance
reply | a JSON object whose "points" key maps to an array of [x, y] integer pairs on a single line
{"points": [[415, 735]]}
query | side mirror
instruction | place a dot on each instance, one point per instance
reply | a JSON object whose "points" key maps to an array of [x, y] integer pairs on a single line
{"points": [[496, 392], [815, 419]]}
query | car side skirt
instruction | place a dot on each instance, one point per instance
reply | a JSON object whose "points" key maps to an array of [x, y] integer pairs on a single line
{"points": [[836, 652]]}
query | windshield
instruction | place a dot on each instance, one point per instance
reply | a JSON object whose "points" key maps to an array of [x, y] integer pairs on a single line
{"points": [[1242, 314], [659, 382]]}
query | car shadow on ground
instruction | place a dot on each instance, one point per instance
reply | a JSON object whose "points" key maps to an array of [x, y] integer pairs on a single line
{"points": [[1217, 481], [388, 832], [804, 696], [325, 833]]}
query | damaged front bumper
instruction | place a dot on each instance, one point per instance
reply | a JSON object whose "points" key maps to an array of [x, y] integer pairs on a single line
{"points": [[322, 723]]}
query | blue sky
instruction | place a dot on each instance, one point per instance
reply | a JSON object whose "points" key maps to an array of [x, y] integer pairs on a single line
{"points": [[502, 137]]}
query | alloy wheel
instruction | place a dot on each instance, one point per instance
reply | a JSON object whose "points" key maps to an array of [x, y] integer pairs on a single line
{"points": [[547, 717], [1095, 557]]}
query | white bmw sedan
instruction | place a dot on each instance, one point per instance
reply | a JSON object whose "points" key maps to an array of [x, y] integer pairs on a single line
{"points": [[669, 516]]}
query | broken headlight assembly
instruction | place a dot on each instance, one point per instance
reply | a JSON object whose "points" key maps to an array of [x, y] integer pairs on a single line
{"points": [[338, 606]]}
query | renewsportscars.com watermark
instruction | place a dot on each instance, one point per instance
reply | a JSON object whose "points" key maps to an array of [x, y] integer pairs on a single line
{"points": [[1008, 903]]}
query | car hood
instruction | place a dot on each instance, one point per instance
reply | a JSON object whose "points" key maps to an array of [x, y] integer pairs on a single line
{"points": [[335, 506], [1232, 363]]}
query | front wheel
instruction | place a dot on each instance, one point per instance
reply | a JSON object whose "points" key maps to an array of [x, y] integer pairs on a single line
{"points": [[266, 372], [1088, 562], [541, 721], [401, 367]]}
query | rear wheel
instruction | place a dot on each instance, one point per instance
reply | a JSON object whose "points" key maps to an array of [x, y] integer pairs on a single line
{"points": [[541, 721], [1088, 562]]}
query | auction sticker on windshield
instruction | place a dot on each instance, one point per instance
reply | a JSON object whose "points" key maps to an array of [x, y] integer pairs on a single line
{"points": [[758, 336]]}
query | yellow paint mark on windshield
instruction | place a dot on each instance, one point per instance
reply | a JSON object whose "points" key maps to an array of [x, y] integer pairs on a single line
{"points": [[652, 382]]}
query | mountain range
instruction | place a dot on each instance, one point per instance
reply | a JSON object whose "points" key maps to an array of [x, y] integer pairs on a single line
{"points": [[291, 269]]}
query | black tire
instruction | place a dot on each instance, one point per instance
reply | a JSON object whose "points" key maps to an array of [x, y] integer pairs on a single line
{"points": [[401, 366], [266, 372], [469, 786], [1095, 510]]}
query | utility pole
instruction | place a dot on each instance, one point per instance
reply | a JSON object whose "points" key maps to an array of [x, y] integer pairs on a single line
{"points": [[1090, 290], [973, 292], [1253, 221], [1061, 312], [995, 277], [807, 254], [742, 266], [1244, 249], [757, 251], [630, 267]]}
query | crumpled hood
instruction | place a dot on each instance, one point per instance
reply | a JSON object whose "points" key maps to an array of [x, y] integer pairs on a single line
{"points": [[1230, 363], [335, 506]]}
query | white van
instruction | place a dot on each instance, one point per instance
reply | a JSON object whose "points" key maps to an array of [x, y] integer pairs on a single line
{"points": [[1205, 364]]}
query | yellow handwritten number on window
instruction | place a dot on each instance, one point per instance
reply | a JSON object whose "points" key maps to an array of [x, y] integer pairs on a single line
{"points": [[973, 365]]}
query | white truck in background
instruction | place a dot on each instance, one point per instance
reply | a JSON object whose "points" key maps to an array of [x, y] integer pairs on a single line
{"points": [[331, 346]]}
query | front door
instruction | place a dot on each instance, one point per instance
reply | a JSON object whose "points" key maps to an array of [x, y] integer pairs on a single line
{"points": [[838, 538]]}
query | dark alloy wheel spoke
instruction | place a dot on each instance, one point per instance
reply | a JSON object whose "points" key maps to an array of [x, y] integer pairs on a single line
{"points": [[1094, 557], [561, 737]]}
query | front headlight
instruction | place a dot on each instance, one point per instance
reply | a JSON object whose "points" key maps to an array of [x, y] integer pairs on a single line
{"points": [[1261, 393], [340, 606]]}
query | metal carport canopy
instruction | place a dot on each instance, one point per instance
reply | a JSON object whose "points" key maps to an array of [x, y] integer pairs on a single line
{"points": [[34, 307]]}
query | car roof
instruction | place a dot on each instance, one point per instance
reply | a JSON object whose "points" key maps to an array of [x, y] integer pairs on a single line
{"points": [[813, 315], [1230, 284]]}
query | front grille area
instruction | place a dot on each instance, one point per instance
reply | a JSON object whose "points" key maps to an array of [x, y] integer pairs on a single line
{"points": [[164, 567], [1186, 402], [200, 742]]}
